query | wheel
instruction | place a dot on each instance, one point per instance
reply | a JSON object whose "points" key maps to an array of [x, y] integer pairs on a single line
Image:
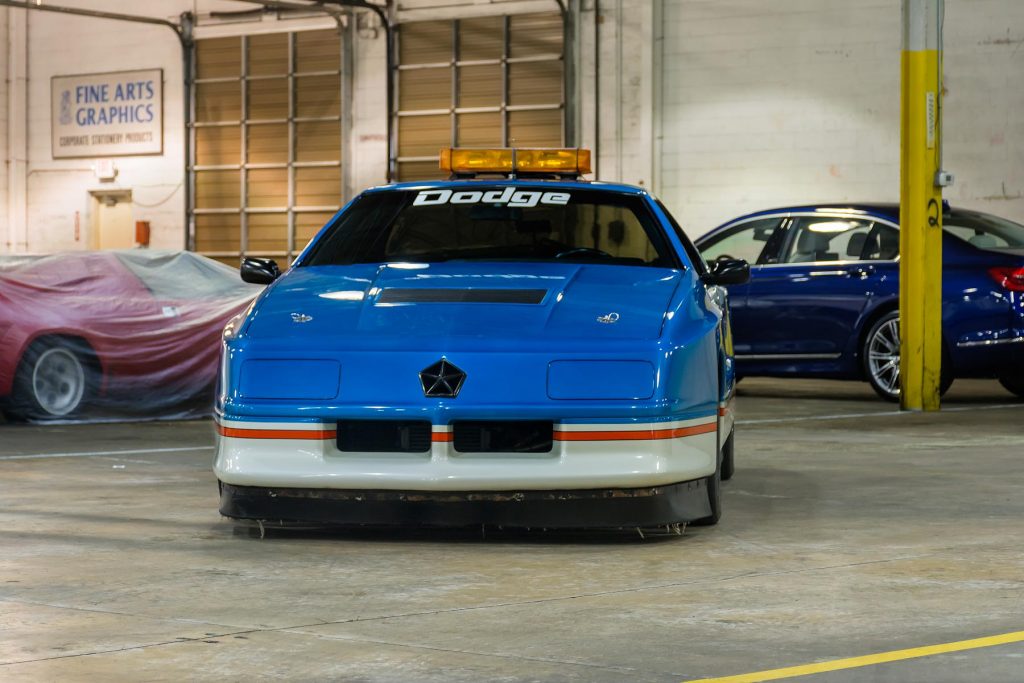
{"points": [[53, 380], [881, 357], [729, 458], [1015, 385]]}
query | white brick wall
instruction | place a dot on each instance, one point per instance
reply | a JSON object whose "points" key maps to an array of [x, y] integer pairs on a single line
{"points": [[57, 189], [984, 105], [3, 127], [773, 103]]}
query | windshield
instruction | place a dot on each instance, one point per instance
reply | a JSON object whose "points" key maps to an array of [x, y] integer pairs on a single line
{"points": [[984, 230], [496, 223]]}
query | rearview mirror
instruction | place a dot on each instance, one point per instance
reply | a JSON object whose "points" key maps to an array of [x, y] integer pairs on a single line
{"points": [[259, 271], [728, 272]]}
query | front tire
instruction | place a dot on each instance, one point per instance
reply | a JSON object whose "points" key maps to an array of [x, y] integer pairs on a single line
{"points": [[1015, 385], [54, 380], [880, 356], [729, 457]]}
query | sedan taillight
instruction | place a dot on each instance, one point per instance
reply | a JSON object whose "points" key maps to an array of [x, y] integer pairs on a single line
{"points": [[1009, 278]]}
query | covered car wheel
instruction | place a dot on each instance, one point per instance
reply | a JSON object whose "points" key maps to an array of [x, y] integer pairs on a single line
{"points": [[880, 355], [54, 380], [1015, 385]]}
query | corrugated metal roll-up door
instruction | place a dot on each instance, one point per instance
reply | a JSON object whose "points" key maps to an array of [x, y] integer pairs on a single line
{"points": [[480, 82], [268, 134]]}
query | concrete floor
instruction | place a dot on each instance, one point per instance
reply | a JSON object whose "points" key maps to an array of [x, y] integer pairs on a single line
{"points": [[848, 530]]}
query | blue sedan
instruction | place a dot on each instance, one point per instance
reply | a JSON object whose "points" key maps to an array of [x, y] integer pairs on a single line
{"points": [[823, 294], [520, 349]]}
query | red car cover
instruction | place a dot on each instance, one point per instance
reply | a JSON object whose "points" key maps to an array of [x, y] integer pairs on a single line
{"points": [[116, 334]]}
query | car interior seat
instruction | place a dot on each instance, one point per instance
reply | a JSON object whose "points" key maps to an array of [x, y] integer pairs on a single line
{"points": [[855, 247], [813, 246]]}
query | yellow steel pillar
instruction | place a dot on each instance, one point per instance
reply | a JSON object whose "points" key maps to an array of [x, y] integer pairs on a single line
{"points": [[921, 205]]}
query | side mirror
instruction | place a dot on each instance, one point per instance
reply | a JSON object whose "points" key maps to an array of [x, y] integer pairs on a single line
{"points": [[259, 271], [728, 272]]}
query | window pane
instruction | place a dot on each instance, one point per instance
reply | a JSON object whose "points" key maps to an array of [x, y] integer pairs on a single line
{"points": [[307, 224], [531, 226], [535, 83], [267, 55], [317, 51], [219, 58], [267, 143], [479, 130], [218, 101], [268, 98], [882, 243], [420, 170], [318, 186], [317, 96], [425, 42], [420, 136], [268, 232], [218, 190], [746, 241], [535, 128], [826, 239], [318, 141], [480, 86], [481, 38], [421, 89], [218, 145], [267, 187], [219, 232], [535, 34]]}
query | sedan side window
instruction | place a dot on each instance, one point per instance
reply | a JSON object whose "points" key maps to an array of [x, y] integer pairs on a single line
{"points": [[747, 241], [834, 238]]}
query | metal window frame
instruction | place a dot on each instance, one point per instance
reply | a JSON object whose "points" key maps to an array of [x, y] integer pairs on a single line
{"points": [[291, 164], [503, 107]]}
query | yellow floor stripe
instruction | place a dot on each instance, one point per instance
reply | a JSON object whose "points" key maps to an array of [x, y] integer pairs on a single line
{"points": [[867, 660]]}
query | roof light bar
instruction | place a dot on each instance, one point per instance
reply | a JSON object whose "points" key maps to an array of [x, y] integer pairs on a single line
{"points": [[568, 161]]}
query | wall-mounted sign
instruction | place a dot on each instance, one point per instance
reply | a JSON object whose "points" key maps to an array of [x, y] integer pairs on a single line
{"points": [[112, 114]]}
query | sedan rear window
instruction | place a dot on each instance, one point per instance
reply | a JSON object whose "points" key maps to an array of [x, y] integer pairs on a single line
{"points": [[495, 223], [984, 230]]}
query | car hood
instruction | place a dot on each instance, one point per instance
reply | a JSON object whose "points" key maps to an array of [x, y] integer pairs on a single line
{"points": [[413, 301]]}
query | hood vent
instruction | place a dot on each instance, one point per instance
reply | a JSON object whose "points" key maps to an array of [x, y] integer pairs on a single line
{"points": [[461, 296]]}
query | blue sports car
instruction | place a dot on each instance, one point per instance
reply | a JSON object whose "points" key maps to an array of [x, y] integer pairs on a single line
{"points": [[824, 288], [513, 347]]}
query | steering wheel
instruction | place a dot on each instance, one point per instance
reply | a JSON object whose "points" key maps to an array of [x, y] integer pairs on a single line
{"points": [[579, 251], [725, 257]]}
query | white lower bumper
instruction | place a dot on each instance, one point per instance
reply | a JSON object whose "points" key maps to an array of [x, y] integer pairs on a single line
{"points": [[583, 456]]}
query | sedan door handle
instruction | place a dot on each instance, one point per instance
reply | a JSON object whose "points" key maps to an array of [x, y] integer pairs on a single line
{"points": [[861, 271]]}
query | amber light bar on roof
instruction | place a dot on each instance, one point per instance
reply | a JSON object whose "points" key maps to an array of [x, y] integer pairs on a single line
{"points": [[461, 160]]}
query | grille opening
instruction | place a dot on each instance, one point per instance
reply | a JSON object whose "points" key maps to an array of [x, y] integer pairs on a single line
{"points": [[384, 436], [507, 436]]}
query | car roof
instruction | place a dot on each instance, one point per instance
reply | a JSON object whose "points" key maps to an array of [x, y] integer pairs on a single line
{"points": [[888, 210], [520, 182]]}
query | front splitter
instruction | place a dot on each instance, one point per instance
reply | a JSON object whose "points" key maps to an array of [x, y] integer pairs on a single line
{"points": [[570, 509]]}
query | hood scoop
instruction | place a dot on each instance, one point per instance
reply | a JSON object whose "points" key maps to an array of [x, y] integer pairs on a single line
{"points": [[418, 295]]}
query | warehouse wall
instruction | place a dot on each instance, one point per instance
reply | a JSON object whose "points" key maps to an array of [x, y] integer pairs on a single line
{"points": [[59, 190], [720, 106], [765, 104]]}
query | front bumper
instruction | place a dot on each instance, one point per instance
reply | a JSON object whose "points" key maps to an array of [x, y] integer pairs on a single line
{"points": [[597, 508], [623, 455]]}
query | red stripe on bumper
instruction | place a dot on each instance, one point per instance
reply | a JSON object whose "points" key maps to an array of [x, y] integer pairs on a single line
{"points": [[637, 435], [311, 434]]}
